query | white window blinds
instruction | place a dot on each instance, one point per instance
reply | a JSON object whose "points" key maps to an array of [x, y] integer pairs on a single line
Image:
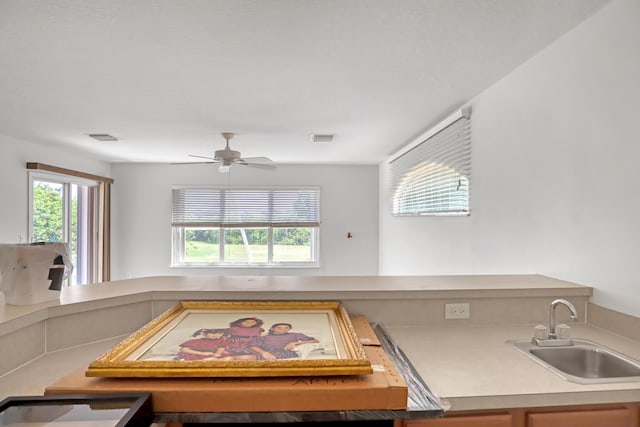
{"points": [[238, 207], [432, 177]]}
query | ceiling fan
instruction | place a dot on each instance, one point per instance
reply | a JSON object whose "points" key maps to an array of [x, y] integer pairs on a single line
{"points": [[228, 157]]}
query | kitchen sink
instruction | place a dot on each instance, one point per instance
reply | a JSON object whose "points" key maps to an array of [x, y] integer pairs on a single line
{"points": [[584, 362]]}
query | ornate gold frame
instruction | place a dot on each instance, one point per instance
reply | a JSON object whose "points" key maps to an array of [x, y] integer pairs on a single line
{"points": [[126, 359]]}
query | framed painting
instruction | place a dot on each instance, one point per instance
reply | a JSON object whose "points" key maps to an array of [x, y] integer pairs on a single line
{"points": [[240, 339]]}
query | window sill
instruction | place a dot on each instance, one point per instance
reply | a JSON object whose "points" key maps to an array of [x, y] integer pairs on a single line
{"points": [[249, 266]]}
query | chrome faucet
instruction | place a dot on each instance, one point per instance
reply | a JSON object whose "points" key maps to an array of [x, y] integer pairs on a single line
{"points": [[552, 339], [552, 315]]}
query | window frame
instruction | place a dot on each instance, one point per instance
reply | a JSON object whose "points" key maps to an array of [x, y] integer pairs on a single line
{"points": [[178, 235], [432, 175], [101, 257], [67, 182]]}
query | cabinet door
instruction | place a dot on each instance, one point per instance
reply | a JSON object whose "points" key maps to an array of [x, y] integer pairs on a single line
{"points": [[502, 420], [597, 418]]}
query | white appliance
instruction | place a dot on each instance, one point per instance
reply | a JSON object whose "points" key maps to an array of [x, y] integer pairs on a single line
{"points": [[33, 273]]}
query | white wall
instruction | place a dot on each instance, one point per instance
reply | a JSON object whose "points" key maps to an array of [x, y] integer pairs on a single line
{"points": [[555, 171], [553, 187], [141, 215], [14, 155]]}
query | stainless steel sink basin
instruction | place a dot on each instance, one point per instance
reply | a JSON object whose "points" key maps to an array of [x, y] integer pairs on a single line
{"points": [[585, 362]]}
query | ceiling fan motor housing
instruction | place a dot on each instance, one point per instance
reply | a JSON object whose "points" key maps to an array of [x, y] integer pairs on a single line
{"points": [[227, 156]]}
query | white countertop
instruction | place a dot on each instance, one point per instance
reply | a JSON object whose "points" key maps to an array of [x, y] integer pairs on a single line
{"points": [[467, 365], [98, 295], [472, 367], [32, 378]]}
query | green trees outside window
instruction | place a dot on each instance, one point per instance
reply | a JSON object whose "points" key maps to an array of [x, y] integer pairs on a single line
{"points": [[65, 212], [248, 245], [47, 212]]}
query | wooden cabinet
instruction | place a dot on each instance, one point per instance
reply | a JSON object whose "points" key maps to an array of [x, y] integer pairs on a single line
{"points": [[623, 417], [606, 415], [499, 420]]}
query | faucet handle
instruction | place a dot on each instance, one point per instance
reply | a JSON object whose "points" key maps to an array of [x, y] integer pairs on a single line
{"points": [[563, 331], [540, 332]]}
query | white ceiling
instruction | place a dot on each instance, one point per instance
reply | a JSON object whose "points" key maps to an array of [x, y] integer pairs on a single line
{"points": [[168, 76]]}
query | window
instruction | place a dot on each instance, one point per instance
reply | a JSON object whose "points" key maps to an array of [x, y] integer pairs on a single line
{"points": [[71, 207], [245, 226], [431, 177]]}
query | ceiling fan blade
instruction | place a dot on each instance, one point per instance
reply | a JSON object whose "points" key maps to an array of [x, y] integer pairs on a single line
{"points": [[193, 163], [258, 165], [256, 159], [204, 157]]}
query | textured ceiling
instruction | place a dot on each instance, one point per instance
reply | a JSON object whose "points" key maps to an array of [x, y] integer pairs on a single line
{"points": [[168, 76]]}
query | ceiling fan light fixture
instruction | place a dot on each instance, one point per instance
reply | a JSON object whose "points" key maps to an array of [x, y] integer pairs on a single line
{"points": [[322, 138]]}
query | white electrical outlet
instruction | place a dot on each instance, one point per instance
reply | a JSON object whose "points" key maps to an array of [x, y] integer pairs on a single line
{"points": [[456, 311]]}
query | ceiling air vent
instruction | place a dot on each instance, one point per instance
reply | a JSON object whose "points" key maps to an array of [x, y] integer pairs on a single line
{"points": [[103, 137], [322, 138]]}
